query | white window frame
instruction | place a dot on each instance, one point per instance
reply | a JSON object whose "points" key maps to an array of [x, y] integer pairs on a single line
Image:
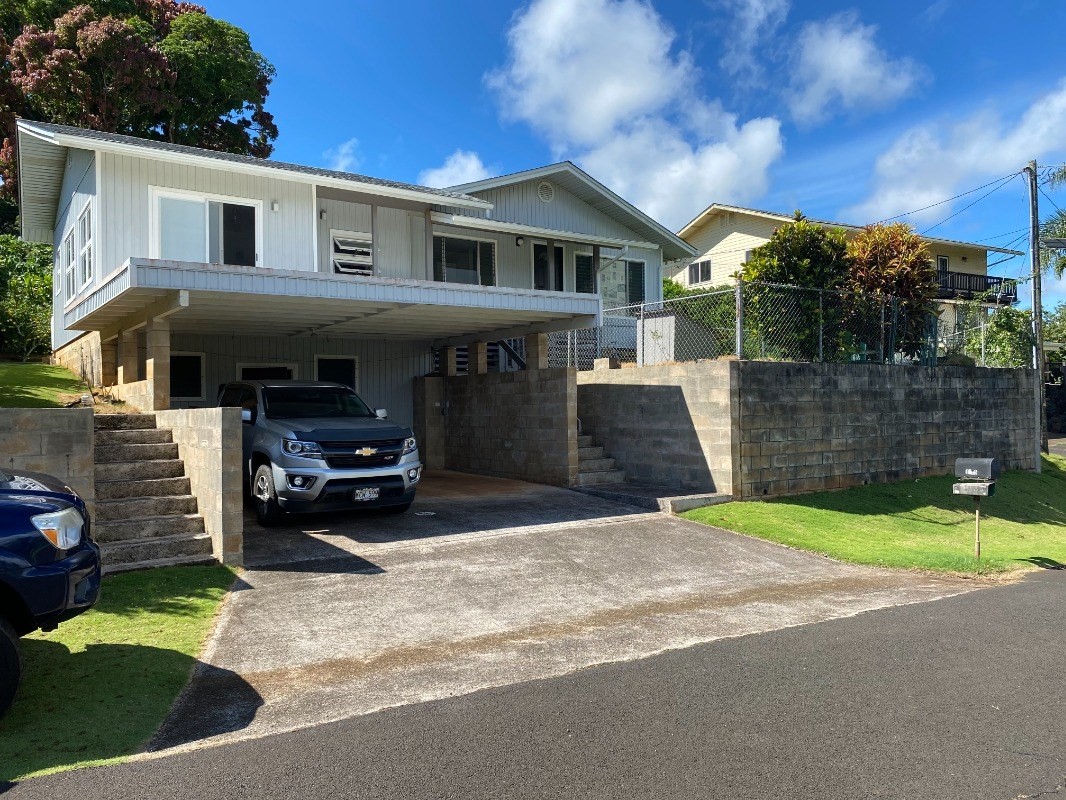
{"points": [[584, 251], [495, 255], [156, 193], [67, 249], [361, 236], [946, 261], [203, 374], [533, 264], [644, 267], [700, 281], [257, 364], [353, 359], [85, 245]]}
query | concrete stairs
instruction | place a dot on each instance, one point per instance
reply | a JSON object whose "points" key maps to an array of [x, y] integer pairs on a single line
{"points": [[146, 515], [594, 468]]}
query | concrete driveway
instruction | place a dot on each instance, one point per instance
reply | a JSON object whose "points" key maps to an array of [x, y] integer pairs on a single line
{"points": [[1057, 444], [487, 583]]}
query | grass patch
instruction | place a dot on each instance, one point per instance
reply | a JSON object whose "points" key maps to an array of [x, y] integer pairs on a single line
{"points": [[97, 688], [917, 524], [36, 385]]}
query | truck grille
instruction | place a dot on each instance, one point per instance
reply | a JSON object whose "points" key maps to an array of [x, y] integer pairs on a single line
{"points": [[345, 455], [359, 462]]}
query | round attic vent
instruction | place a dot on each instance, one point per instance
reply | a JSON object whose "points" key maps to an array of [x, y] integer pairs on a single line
{"points": [[546, 192]]}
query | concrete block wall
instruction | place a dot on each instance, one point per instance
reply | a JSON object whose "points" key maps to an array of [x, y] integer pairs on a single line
{"points": [[209, 442], [520, 425], [669, 425], [85, 357], [809, 427], [138, 395], [58, 441]]}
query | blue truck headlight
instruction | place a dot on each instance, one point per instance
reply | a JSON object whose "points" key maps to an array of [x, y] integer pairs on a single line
{"points": [[409, 445], [61, 528], [295, 447]]}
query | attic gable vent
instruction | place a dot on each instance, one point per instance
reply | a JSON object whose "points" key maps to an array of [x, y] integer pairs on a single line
{"points": [[546, 192]]}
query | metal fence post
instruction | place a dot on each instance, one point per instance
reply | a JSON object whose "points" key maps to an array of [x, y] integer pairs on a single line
{"points": [[821, 326], [881, 344], [640, 337], [740, 318]]}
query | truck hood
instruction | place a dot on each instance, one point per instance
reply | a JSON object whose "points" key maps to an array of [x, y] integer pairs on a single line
{"points": [[331, 429], [24, 482]]}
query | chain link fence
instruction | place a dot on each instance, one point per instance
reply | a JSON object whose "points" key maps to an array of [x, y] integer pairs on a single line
{"points": [[757, 321]]}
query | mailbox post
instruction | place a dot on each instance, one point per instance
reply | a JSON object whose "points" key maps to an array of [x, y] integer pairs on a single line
{"points": [[977, 478]]}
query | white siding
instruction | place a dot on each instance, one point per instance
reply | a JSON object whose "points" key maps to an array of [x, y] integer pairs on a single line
{"points": [[78, 188], [385, 369], [124, 208]]}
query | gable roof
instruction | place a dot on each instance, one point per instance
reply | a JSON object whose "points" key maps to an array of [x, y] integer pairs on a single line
{"points": [[586, 188], [45, 143], [718, 208]]}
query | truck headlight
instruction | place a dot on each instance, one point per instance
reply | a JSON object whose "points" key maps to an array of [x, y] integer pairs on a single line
{"points": [[61, 528], [409, 445], [295, 447]]}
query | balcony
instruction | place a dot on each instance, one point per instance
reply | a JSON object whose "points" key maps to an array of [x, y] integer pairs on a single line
{"points": [[966, 286]]}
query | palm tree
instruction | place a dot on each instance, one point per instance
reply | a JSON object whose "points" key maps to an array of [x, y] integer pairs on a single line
{"points": [[1054, 227]]}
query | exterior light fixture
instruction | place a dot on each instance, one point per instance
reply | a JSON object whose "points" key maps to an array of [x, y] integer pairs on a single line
{"points": [[274, 206], [322, 213], [518, 240]]}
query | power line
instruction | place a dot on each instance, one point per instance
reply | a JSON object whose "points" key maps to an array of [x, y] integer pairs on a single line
{"points": [[950, 199], [1001, 184], [1050, 200]]}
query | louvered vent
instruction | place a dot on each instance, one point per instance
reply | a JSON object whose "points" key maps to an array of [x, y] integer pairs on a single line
{"points": [[546, 192]]}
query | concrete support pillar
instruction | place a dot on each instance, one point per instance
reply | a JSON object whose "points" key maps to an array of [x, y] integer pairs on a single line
{"points": [[129, 361], [157, 363], [479, 358], [537, 351], [109, 362], [449, 363]]}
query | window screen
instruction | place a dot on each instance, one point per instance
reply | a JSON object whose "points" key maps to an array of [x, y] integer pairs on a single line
{"points": [[635, 282], [186, 377], [584, 274], [458, 260], [543, 277], [182, 229]]}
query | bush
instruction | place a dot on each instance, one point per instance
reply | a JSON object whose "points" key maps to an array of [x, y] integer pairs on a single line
{"points": [[25, 297]]}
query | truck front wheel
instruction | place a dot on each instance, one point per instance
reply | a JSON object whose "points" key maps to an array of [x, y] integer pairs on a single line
{"points": [[267, 509], [10, 666]]}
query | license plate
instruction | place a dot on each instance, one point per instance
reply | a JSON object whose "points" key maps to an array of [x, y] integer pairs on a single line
{"points": [[366, 493]]}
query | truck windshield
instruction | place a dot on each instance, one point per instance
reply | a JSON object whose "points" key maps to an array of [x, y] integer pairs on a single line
{"points": [[294, 402]]}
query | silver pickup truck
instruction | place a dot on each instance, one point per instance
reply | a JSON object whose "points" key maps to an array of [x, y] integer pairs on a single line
{"points": [[314, 446]]}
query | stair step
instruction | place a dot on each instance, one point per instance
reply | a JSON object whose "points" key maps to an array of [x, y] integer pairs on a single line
{"points": [[140, 470], [602, 477], [584, 441], [589, 452], [133, 436], [111, 422], [583, 465], [134, 452], [146, 527], [144, 551], [137, 507], [142, 487]]}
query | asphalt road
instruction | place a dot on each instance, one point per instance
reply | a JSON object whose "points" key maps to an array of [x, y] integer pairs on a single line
{"points": [[957, 698]]}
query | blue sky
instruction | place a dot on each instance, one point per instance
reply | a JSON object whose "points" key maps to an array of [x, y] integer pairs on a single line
{"points": [[850, 111]]}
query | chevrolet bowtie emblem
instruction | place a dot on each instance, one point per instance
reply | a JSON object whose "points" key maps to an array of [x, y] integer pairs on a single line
{"points": [[367, 451]]}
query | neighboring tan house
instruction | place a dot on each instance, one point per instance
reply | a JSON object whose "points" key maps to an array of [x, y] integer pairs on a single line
{"points": [[178, 269], [725, 235]]}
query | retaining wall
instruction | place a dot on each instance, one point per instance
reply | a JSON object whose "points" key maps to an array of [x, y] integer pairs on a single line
{"points": [[520, 425], [209, 442], [58, 441]]}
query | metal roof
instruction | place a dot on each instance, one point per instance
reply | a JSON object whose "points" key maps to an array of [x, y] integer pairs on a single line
{"points": [[714, 208], [586, 188]]}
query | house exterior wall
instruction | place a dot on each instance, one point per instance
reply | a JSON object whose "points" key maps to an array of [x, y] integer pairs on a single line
{"points": [[384, 369], [78, 189]]}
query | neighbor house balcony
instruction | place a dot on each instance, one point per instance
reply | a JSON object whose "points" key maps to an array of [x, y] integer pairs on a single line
{"points": [[968, 286]]}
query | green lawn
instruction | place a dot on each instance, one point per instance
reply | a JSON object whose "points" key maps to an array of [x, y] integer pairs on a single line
{"points": [[917, 524], [36, 385], [95, 689]]}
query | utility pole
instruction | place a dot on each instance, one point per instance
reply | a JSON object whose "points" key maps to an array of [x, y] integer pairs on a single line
{"points": [[1038, 311]]}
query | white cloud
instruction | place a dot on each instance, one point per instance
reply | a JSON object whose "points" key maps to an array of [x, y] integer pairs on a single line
{"points": [[462, 166], [344, 157], [601, 81], [933, 162], [837, 63], [753, 23]]}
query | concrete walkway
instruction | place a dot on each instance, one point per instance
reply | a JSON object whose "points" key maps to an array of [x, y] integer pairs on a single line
{"points": [[496, 582]]}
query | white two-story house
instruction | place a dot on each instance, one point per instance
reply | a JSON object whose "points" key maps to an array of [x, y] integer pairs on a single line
{"points": [[178, 269]]}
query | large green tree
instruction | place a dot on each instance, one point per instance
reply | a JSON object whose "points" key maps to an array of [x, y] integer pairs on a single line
{"points": [[25, 297]]}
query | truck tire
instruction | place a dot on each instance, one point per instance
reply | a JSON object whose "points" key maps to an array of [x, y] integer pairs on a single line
{"points": [[267, 509], [10, 666]]}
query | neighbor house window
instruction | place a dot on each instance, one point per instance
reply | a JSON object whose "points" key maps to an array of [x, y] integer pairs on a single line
{"points": [[352, 253], [700, 272], [635, 282], [187, 376], [207, 230], [336, 369], [545, 277], [85, 242], [942, 263], [67, 259], [459, 260], [584, 273]]}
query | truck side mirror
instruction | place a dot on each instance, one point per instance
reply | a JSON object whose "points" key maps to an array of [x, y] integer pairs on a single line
{"points": [[246, 415], [381, 413]]}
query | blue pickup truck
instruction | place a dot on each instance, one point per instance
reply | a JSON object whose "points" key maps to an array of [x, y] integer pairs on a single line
{"points": [[49, 565]]}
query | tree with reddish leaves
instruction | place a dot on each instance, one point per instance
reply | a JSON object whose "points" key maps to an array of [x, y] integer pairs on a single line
{"points": [[158, 69]]}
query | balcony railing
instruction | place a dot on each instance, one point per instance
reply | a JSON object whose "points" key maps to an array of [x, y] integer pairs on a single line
{"points": [[966, 286]]}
